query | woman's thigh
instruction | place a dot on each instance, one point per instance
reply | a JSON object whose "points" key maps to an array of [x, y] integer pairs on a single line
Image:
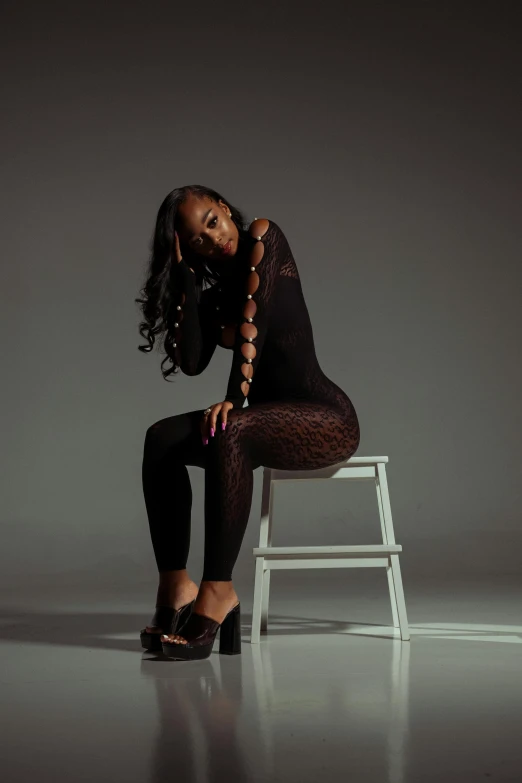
{"points": [[176, 437], [296, 436]]}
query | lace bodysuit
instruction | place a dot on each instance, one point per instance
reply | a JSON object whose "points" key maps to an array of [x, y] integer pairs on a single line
{"points": [[261, 315], [296, 417]]}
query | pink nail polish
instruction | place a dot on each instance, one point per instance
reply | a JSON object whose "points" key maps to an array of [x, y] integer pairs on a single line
{"points": [[212, 432], [205, 441], [223, 425]]}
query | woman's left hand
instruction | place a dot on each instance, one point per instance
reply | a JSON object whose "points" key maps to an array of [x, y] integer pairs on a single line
{"points": [[209, 420]]}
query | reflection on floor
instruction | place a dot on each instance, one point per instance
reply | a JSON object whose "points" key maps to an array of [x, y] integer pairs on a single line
{"points": [[323, 697]]}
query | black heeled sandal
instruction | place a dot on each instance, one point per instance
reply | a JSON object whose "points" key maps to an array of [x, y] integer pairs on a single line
{"points": [[165, 617], [200, 632]]}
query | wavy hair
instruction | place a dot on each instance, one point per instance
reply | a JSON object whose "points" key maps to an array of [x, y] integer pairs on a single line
{"points": [[161, 291]]}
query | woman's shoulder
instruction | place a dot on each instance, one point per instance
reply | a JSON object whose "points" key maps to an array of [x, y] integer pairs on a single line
{"points": [[260, 227]]}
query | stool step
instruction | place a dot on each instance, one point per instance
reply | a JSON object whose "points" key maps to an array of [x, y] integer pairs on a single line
{"points": [[299, 551]]}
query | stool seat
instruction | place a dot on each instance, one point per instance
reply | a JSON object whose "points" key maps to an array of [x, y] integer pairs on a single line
{"points": [[268, 557]]}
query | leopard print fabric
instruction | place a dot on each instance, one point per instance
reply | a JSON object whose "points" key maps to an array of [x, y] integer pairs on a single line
{"points": [[284, 435], [296, 419]]}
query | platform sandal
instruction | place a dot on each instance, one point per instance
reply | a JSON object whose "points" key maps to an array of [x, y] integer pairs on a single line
{"points": [[165, 617], [200, 632]]}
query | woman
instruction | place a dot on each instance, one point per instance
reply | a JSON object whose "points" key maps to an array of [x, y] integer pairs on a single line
{"points": [[212, 282]]}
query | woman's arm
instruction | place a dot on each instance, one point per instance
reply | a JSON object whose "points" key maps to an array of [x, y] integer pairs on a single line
{"points": [[266, 259], [194, 335]]}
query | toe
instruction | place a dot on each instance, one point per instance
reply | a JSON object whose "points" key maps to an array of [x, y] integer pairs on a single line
{"points": [[171, 637]]}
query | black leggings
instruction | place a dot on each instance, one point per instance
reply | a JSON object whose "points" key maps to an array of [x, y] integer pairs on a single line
{"points": [[284, 435]]}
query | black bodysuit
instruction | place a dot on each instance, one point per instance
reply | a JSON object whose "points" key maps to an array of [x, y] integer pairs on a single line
{"points": [[296, 418]]}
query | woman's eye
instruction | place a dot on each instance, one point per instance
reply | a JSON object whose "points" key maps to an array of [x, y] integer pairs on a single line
{"points": [[212, 224]]}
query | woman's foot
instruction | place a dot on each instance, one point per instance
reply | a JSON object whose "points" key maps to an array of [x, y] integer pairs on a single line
{"points": [[214, 600], [176, 589]]}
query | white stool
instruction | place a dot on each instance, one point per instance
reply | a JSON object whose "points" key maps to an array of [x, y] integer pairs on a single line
{"points": [[386, 554]]}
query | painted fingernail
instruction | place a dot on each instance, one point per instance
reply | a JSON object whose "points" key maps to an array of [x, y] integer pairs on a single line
{"points": [[205, 441], [212, 432], [223, 425]]}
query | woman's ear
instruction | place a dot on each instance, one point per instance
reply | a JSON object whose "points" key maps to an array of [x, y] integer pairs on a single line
{"points": [[225, 207]]}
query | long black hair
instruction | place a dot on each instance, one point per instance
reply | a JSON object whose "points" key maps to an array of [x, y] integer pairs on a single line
{"points": [[161, 292]]}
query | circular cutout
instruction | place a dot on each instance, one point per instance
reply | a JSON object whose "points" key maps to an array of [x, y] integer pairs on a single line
{"points": [[245, 386], [259, 227], [248, 350], [247, 370], [250, 309], [252, 283], [257, 253], [248, 331]]}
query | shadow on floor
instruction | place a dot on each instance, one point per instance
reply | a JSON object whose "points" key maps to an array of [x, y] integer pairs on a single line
{"points": [[100, 630]]}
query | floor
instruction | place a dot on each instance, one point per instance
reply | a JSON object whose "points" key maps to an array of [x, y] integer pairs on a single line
{"points": [[329, 693]]}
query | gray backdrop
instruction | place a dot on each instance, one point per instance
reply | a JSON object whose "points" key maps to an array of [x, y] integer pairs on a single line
{"points": [[385, 140]]}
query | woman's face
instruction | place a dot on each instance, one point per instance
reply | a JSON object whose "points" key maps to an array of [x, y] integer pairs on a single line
{"points": [[206, 226]]}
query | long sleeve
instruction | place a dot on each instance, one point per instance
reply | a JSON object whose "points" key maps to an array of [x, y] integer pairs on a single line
{"points": [[195, 342], [265, 261]]}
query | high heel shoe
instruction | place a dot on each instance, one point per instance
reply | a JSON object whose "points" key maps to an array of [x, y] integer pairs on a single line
{"points": [[165, 617], [200, 632]]}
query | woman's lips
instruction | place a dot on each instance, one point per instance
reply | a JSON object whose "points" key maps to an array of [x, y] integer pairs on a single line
{"points": [[227, 248]]}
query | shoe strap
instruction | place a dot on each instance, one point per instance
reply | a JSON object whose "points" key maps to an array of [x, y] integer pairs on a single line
{"points": [[211, 619], [163, 617]]}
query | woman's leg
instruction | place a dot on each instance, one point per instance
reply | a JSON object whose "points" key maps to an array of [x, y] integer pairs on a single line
{"points": [[170, 445], [288, 436], [284, 435]]}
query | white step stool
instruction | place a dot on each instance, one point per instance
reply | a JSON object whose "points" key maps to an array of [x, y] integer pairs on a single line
{"points": [[385, 555]]}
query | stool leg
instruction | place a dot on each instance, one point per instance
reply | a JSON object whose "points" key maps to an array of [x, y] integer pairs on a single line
{"points": [[258, 601], [393, 597], [389, 572], [399, 594], [394, 570], [262, 577], [264, 602]]}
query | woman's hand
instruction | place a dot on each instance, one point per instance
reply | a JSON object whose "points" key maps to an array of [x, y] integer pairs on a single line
{"points": [[209, 420], [177, 250]]}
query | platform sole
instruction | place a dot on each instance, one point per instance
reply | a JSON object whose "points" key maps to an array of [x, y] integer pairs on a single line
{"points": [[151, 641], [184, 652], [168, 618]]}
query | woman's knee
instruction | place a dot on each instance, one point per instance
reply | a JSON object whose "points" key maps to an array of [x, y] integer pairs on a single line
{"points": [[155, 432], [235, 424], [232, 432], [151, 442], [163, 434]]}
